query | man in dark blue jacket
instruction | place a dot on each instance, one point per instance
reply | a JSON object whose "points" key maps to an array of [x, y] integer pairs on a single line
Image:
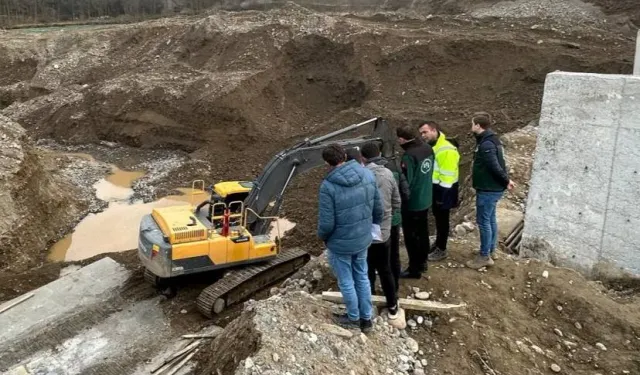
{"points": [[490, 180], [349, 204]]}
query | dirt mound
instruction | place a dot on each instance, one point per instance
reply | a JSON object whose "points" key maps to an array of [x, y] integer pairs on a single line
{"points": [[40, 199], [294, 332]]}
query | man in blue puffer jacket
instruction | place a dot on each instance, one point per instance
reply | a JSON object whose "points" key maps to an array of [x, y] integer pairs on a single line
{"points": [[349, 204]]}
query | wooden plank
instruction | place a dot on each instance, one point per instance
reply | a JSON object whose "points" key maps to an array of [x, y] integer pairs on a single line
{"points": [[19, 301], [407, 304]]}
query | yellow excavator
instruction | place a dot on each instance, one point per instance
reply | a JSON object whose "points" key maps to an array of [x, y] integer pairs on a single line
{"points": [[230, 230]]}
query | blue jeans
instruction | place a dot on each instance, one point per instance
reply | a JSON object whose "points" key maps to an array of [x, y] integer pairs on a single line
{"points": [[353, 281], [486, 202]]}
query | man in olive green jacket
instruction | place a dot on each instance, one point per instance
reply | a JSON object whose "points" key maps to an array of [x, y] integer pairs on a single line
{"points": [[417, 166]]}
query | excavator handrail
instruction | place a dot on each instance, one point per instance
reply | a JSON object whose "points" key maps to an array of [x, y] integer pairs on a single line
{"points": [[244, 223]]}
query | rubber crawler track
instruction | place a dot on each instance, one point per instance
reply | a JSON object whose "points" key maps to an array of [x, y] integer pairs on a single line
{"points": [[240, 283]]}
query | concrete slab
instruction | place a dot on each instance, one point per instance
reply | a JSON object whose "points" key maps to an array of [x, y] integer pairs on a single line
{"points": [[69, 294], [585, 184], [114, 346]]}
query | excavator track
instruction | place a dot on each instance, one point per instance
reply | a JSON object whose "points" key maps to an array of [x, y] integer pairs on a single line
{"points": [[242, 282]]}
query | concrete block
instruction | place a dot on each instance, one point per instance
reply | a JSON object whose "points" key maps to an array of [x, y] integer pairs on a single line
{"points": [[636, 65], [67, 295], [585, 183]]}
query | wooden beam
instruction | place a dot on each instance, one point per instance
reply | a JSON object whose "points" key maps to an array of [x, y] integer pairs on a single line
{"points": [[407, 304]]}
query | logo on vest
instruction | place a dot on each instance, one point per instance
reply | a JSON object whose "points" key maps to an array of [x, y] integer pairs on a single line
{"points": [[425, 167]]}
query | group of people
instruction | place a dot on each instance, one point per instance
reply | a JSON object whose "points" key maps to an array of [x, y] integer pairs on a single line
{"points": [[364, 191]]}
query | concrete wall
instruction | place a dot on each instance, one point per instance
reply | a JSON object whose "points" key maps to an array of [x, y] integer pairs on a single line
{"points": [[583, 208]]}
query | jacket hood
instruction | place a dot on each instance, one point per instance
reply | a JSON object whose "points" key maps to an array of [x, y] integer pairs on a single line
{"points": [[379, 160], [373, 166], [348, 174]]}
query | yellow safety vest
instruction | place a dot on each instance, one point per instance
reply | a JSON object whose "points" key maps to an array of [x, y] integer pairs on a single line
{"points": [[447, 159]]}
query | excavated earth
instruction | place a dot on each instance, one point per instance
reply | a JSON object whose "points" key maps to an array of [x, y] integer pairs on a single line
{"points": [[207, 89]]}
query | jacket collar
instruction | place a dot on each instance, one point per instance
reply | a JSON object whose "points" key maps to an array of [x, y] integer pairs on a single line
{"points": [[484, 135], [412, 143]]}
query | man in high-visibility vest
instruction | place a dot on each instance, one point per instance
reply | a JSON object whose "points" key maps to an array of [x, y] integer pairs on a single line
{"points": [[445, 184]]}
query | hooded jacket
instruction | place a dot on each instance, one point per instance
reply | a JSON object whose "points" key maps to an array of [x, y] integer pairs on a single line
{"points": [[401, 180], [489, 167], [388, 188], [349, 204]]}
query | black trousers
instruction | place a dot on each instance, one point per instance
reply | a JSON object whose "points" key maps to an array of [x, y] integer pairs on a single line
{"points": [[378, 260], [415, 225], [394, 255], [442, 226]]}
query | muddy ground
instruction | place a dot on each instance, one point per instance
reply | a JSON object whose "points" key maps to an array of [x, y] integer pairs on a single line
{"points": [[190, 97]]}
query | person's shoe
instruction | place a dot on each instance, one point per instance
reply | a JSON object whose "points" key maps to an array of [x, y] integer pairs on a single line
{"points": [[410, 275], [346, 323], [393, 312], [492, 253], [438, 255], [366, 326], [479, 262]]}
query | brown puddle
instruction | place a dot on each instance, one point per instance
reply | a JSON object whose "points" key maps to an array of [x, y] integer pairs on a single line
{"points": [[116, 228]]}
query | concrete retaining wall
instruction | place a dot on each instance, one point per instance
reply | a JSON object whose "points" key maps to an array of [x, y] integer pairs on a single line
{"points": [[583, 209]]}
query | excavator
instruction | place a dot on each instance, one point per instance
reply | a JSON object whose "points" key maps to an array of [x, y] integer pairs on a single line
{"points": [[230, 231]]}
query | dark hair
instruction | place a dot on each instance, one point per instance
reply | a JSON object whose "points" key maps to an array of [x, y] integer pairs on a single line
{"points": [[353, 154], [432, 124], [482, 119], [370, 150], [407, 132], [333, 154]]}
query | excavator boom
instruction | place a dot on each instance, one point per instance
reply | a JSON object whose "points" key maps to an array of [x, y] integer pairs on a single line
{"points": [[267, 194]]}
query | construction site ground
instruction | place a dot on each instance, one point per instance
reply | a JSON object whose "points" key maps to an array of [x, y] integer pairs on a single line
{"points": [[188, 98]]}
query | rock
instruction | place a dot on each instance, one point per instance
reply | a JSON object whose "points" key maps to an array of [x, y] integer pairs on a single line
{"points": [[363, 338], [313, 338], [545, 274], [404, 367], [423, 295], [424, 362], [459, 230], [559, 308], [274, 291], [183, 311], [420, 352], [569, 344], [317, 275], [601, 346], [302, 282], [419, 320], [418, 371], [412, 344], [578, 325], [558, 332], [411, 323], [555, 368], [276, 357], [338, 331], [400, 322], [403, 358], [248, 363], [469, 227], [304, 328], [415, 290], [537, 349]]}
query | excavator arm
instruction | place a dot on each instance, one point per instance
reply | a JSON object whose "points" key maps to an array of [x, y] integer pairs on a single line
{"points": [[266, 196]]}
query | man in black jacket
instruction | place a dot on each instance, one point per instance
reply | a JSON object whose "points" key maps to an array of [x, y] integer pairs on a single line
{"points": [[490, 180]]}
